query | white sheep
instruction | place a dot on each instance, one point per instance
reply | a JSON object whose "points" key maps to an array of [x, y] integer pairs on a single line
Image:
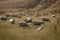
{"points": [[11, 21], [28, 19], [53, 15], [40, 28]]}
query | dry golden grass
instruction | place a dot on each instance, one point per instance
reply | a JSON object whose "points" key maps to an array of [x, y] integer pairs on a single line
{"points": [[51, 30], [14, 32]]}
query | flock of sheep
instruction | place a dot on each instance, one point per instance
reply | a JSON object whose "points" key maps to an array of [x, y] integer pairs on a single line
{"points": [[27, 20]]}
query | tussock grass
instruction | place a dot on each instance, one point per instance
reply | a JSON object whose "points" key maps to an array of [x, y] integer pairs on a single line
{"points": [[51, 31]]}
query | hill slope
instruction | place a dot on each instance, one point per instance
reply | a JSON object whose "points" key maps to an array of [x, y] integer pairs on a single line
{"points": [[5, 4], [50, 31]]}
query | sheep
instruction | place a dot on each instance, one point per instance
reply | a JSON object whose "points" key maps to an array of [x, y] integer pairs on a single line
{"points": [[37, 22], [12, 15], [11, 21], [28, 19], [10, 18], [23, 24], [3, 18], [40, 28], [53, 15], [25, 14], [45, 19], [9, 15]]}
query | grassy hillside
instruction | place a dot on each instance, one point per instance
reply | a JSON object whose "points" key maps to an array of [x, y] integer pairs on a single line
{"points": [[25, 4], [50, 31]]}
